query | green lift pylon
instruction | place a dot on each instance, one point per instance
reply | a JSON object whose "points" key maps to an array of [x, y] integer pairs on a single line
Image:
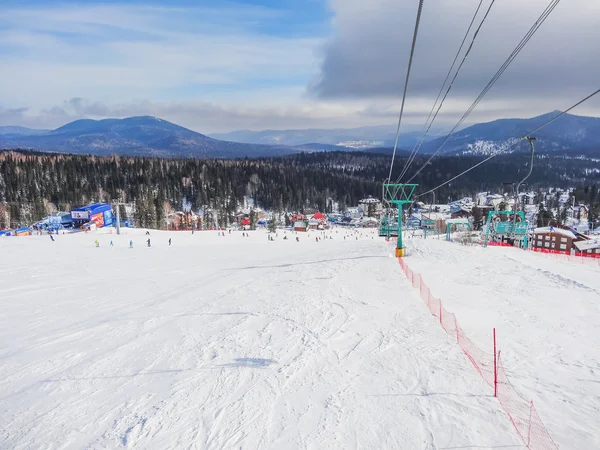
{"points": [[399, 194]]}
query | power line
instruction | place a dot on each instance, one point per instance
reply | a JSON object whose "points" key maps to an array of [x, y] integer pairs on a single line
{"points": [[419, 143], [410, 59], [513, 144], [538, 23]]}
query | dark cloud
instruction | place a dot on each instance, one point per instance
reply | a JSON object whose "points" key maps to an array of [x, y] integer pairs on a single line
{"points": [[367, 56]]}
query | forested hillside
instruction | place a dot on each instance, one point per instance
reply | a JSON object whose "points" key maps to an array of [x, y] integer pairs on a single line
{"points": [[35, 184]]}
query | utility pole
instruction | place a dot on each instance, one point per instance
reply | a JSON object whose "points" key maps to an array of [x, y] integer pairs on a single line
{"points": [[530, 140]]}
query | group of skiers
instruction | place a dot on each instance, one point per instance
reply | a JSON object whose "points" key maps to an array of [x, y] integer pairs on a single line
{"points": [[148, 243], [270, 237]]}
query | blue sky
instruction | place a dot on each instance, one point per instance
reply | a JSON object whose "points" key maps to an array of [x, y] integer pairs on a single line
{"points": [[215, 65]]}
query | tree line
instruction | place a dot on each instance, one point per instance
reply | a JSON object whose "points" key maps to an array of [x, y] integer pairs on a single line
{"points": [[34, 184]]}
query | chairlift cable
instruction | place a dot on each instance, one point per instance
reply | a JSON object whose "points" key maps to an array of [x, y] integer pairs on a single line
{"points": [[538, 23]]}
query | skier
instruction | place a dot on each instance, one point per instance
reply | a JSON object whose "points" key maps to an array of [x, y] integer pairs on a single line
{"points": [[130, 244], [52, 237], [97, 243], [317, 238], [297, 239], [147, 233], [148, 242], [111, 244], [169, 241]]}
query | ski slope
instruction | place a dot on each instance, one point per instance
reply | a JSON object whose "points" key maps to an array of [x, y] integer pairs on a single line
{"points": [[223, 342], [547, 315]]}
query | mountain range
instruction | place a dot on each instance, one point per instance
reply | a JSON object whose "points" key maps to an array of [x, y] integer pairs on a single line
{"points": [[150, 136], [357, 138], [135, 136], [568, 133]]}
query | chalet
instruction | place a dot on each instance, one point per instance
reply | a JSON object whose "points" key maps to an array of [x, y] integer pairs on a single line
{"points": [[373, 204], [301, 225], [527, 198], [554, 238], [588, 247], [578, 212], [317, 221]]}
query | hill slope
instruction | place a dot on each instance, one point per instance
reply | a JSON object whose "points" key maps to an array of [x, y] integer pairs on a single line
{"points": [[148, 136], [565, 134], [20, 131]]}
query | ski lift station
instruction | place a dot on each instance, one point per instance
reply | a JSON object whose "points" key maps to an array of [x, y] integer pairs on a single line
{"points": [[97, 215]]}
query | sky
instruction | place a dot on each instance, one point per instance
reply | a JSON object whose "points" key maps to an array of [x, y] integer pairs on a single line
{"points": [[218, 65]]}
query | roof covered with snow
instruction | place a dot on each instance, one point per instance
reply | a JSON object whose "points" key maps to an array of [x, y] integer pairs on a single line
{"points": [[560, 231], [587, 245]]}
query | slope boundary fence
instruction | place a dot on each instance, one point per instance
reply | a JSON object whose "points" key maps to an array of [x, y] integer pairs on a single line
{"points": [[590, 259], [522, 413]]}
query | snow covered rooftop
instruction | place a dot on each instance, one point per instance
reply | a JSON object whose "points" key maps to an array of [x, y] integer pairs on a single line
{"points": [[587, 245], [369, 200], [560, 231]]}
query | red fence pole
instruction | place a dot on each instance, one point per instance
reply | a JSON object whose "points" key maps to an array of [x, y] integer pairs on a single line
{"points": [[495, 368], [441, 312]]}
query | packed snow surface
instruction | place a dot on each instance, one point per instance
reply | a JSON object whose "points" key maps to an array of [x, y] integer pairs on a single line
{"points": [[223, 342], [547, 316]]}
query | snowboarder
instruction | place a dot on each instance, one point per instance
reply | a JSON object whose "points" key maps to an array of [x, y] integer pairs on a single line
{"points": [[130, 244], [148, 242], [97, 243], [169, 241], [297, 239]]}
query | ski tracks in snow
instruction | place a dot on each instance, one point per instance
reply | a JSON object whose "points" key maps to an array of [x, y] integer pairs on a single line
{"points": [[299, 345]]}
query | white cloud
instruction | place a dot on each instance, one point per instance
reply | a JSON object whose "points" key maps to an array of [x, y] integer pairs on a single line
{"points": [[216, 69], [117, 52]]}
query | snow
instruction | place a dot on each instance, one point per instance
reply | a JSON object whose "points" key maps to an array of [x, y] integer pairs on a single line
{"points": [[546, 312], [555, 230], [231, 342], [587, 245]]}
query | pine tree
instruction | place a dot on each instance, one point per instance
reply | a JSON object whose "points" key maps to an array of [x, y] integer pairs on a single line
{"points": [[371, 209], [273, 224]]}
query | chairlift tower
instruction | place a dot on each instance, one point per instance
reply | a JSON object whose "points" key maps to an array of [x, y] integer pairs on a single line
{"points": [[399, 194]]}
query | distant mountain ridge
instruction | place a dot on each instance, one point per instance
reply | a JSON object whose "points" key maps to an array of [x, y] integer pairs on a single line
{"points": [[144, 135], [20, 131], [566, 134], [151, 136], [357, 138]]}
